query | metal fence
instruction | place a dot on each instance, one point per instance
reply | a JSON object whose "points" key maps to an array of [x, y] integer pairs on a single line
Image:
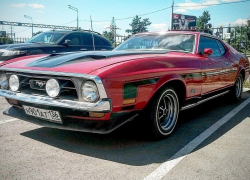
{"points": [[236, 36], [16, 40]]}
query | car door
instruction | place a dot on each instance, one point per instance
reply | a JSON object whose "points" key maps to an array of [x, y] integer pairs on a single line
{"points": [[212, 66], [75, 42]]}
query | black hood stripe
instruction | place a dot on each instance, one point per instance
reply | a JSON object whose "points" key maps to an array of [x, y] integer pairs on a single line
{"points": [[60, 59]]}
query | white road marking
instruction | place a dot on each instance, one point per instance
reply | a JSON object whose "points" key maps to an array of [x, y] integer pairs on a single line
{"points": [[165, 167], [246, 89], [8, 120]]}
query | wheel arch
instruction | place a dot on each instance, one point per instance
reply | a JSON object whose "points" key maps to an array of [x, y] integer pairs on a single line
{"points": [[242, 72], [175, 81]]}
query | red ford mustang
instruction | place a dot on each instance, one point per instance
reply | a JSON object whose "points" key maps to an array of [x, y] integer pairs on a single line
{"points": [[154, 74]]}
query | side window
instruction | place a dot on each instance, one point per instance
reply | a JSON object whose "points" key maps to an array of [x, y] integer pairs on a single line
{"points": [[75, 38], [105, 42], [209, 43], [222, 48], [87, 39], [98, 41]]}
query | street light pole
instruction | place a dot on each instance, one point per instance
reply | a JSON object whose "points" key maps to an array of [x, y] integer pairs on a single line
{"points": [[172, 16], [31, 21], [75, 9]]}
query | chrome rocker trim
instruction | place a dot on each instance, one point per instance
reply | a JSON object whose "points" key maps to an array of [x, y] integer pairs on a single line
{"points": [[103, 105]]}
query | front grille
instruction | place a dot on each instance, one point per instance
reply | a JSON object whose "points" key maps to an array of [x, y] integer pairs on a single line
{"points": [[35, 85]]}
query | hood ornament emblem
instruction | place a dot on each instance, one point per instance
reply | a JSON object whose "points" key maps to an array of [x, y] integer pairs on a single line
{"points": [[40, 83]]}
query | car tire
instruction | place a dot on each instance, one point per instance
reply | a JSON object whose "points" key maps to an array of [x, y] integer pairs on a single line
{"points": [[164, 113], [236, 91]]}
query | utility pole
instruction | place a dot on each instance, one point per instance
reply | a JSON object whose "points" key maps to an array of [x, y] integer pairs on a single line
{"points": [[113, 29], [11, 31], [172, 16], [74, 9], [29, 17], [228, 31]]}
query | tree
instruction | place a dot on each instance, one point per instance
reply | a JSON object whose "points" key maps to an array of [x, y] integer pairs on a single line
{"points": [[202, 24], [238, 37], [139, 26], [109, 36], [6, 40], [36, 33]]}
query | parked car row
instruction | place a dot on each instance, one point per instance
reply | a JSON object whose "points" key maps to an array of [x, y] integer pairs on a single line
{"points": [[56, 42], [151, 75]]}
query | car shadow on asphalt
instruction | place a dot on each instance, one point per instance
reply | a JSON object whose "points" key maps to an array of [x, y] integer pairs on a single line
{"points": [[131, 145]]}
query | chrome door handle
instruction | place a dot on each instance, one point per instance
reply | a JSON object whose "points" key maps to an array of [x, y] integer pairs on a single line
{"points": [[84, 49]]}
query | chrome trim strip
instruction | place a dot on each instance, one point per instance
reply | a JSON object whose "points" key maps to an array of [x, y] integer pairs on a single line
{"points": [[96, 79], [202, 101], [100, 106]]}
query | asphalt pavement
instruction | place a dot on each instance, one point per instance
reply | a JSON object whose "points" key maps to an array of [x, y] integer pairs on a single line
{"points": [[212, 141]]}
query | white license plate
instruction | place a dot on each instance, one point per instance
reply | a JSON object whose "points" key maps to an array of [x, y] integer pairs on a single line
{"points": [[43, 113]]}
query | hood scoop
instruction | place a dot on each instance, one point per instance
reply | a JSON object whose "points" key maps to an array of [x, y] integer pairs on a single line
{"points": [[61, 59], [55, 60]]}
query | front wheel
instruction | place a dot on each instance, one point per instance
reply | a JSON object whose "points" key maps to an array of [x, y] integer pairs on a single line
{"points": [[236, 91], [164, 113]]}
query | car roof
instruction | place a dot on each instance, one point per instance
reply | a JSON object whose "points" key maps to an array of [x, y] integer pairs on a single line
{"points": [[170, 32], [181, 32], [71, 31]]}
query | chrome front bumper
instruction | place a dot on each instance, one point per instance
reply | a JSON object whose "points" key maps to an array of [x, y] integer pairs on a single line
{"points": [[103, 105]]}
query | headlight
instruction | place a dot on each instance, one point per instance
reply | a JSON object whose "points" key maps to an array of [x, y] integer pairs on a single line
{"points": [[89, 91], [52, 88], [14, 82], [12, 53]]}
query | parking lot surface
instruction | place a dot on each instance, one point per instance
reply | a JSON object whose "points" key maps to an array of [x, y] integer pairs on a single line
{"points": [[29, 151]]}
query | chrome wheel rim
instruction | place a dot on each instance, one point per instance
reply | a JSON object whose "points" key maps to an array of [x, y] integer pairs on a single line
{"points": [[167, 112], [238, 86]]}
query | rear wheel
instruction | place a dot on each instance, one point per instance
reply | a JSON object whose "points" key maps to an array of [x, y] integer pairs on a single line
{"points": [[236, 91], [164, 113]]}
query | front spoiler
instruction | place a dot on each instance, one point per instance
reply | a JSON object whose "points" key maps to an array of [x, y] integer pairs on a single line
{"points": [[74, 125], [103, 105]]}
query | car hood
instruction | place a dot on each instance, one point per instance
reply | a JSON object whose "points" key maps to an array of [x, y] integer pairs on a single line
{"points": [[80, 62], [22, 46]]}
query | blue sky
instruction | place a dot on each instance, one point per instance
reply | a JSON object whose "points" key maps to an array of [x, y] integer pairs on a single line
{"points": [[56, 12]]}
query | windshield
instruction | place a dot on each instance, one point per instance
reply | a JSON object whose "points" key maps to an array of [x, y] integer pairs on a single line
{"points": [[46, 38], [168, 42]]}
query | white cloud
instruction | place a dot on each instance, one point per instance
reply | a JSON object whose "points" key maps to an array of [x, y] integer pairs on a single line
{"points": [[18, 5], [230, 0], [99, 23], [106, 27], [240, 21], [37, 6], [161, 26], [181, 11], [189, 5]]}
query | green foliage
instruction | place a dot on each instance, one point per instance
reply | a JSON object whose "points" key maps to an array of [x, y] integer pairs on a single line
{"points": [[109, 36], [6, 40], [202, 24], [239, 37], [36, 33], [138, 25]]}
